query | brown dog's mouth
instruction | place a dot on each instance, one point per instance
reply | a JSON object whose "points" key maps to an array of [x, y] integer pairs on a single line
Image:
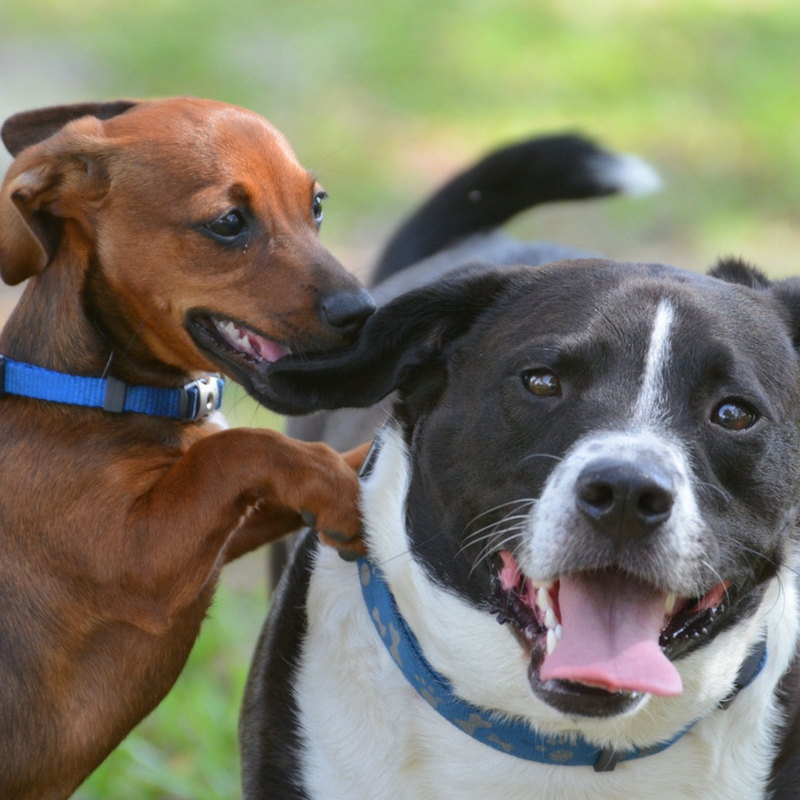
{"points": [[599, 641], [234, 341], [249, 344]]}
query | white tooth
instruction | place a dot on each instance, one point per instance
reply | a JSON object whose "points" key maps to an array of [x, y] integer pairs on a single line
{"points": [[550, 620], [543, 599], [547, 585], [669, 604], [559, 632], [552, 641]]}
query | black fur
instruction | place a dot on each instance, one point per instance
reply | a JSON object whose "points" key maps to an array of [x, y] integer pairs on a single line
{"points": [[269, 739], [734, 270], [504, 183], [408, 334]]}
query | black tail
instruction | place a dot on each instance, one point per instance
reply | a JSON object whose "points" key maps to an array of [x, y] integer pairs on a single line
{"points": [[506, 182]]}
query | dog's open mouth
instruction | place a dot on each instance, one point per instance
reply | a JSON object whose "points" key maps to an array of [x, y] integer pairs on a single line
{"points": [[599, 641], [233, 341]]}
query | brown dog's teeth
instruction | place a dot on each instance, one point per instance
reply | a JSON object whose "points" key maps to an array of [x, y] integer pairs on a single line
{"points": [[238, 338], [249, 344]]}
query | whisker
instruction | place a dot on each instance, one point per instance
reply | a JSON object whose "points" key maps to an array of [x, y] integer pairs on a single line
{"points": [[508, 535], [494, 534], [131, 340], [725, 495], [765, 557], [479, 535], [520, 502], [542, 455], [719, 577]]}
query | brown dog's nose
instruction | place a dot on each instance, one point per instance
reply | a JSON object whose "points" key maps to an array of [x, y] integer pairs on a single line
{"points": [[624, 500], [348, 311]]}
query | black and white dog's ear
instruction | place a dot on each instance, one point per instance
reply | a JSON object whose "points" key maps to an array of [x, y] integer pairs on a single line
{"points": [[786, 292], [735, 270], [398, 339]]}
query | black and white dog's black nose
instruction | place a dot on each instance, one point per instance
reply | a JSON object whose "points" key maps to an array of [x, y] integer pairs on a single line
{"points": [[624, 500]]}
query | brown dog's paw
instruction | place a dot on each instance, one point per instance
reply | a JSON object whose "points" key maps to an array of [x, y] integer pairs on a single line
{"points": [[331, 501], [349, 548], [348, 551]]}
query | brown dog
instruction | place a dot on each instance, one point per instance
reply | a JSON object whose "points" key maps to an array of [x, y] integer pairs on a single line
{"points": [[162, 240]]}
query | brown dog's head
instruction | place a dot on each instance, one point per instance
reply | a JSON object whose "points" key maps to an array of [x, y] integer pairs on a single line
{"points": [[193, 223]]}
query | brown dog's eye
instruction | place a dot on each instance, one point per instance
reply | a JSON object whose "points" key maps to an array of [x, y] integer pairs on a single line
{"points": [[227, 227], [734, 415], [542, 383], [316, 208]]}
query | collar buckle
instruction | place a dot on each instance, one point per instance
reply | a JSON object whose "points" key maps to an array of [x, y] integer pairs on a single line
{"points": [[201, 398], [606, 761]]}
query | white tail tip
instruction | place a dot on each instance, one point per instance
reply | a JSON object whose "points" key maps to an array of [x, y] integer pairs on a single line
{"points": [[627, 174]]}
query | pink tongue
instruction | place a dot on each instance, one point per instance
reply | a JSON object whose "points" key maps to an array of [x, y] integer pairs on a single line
{"points": [[610, 628], [269, 350]]}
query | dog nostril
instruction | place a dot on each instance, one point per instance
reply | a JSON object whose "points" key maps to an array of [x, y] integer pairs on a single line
{"points": [[348, 311], [654, 504], [596, 497], [624, 500]]}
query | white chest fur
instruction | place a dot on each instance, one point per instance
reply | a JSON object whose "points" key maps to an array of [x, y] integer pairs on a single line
{"points": [[368, 734]]}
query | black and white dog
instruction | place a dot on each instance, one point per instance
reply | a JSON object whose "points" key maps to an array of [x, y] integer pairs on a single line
{"points": [[604, 458]]}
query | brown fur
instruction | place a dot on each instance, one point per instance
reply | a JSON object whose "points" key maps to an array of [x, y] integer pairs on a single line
{"points": [[113, 527]]}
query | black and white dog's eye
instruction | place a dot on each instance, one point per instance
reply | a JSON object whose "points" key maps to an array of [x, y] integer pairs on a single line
{"points": [[229, 226], [734, 415], [316, 207], [542, 383]]}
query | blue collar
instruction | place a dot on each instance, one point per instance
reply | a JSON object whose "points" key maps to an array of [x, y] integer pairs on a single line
{"points": [[511, 736], [194, 401]]}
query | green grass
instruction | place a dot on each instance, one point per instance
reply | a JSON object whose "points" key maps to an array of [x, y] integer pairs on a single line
{"points": [[383, 100]]}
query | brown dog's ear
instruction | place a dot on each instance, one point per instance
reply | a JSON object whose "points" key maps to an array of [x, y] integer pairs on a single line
{"points": [[22, 252], [394, 347], [49, 182], [31, 127]]}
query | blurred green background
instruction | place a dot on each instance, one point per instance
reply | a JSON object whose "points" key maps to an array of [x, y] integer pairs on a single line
{"points": [[383, 100]]}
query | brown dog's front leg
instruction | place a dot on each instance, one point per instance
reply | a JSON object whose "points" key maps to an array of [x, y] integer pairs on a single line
{"points": [[264, 526], [260, 528], [180, 525]]}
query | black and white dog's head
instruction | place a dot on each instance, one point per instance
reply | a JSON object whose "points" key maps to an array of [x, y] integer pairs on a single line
{"points": [[604, 456]]}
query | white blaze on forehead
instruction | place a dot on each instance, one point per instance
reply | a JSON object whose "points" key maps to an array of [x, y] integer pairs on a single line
{"points": [[650, 405]]}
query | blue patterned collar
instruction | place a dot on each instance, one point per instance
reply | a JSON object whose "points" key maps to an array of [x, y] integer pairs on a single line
{"points": [[194, 401], [511, 736]]}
